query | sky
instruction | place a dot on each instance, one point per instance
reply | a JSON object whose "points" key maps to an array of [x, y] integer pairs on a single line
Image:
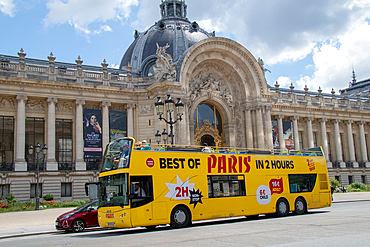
{"points": [[304, 42]]}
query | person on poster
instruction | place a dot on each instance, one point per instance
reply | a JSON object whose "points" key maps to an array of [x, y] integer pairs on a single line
{"points": [[93, 125]]}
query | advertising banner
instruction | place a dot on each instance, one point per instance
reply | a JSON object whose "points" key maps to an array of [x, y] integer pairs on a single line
{"points": [[92, 134], [117, 125], [288, 135]]}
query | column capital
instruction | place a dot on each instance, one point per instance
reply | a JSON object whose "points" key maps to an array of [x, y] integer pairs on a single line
{"points": [[350, 121], [295, 117], [362, 122], [268, 107], [324, 119], [21, 97], [337, 120], [280, 116], [52, 100], [309, 118], [131, 105], [106, 103], [80, 102]]}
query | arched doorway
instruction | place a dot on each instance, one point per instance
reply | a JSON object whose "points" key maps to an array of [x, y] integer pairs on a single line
{"points": [[208, 125], [207, 140]]}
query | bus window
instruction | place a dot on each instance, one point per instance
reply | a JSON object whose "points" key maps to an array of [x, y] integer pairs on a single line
{"points": [[117, 155], [302, 182], [113, 190], [225, 186], [141, 190]]}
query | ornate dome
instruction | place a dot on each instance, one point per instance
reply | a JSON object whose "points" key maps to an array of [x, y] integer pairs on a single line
{"points": [[173, 29]]}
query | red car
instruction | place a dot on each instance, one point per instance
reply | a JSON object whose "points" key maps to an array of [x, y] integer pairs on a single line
{"points": [[79, 218]]}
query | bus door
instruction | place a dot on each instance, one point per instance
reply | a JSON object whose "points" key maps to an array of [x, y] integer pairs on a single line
{"points": [[141, 194]]}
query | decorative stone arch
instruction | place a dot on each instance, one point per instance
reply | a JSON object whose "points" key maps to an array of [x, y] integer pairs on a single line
{"points": [[221, 105], [228, 53]]}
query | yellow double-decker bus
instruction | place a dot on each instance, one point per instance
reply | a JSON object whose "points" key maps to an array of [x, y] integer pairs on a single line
{"points": [[150, 186]]}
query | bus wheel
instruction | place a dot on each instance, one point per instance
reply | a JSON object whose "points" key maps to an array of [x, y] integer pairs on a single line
{"points": [[180, 217], [300, 206], [282, 208]]}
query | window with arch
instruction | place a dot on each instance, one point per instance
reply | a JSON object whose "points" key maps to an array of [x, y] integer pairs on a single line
{"points": [[208, 112]]}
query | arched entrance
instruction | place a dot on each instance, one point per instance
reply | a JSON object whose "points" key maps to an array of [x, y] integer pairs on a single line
{"points": [[208, 140], [209, 127]]}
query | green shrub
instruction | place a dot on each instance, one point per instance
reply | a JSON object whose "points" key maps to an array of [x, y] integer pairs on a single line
{"points": [[334, 182], [48, 197], [11, 199], [358, 185]]}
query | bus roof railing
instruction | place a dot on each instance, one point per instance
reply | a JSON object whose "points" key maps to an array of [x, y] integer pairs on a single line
{"points": [[317, 151]]}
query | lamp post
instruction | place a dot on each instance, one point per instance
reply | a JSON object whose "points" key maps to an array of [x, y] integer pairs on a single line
{"points": [[159, 105], [38, 151]]}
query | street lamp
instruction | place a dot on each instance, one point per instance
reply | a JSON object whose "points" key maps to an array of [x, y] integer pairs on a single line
{"points": [[159, 106], [38, 151], [158, 137], [165, 136]]}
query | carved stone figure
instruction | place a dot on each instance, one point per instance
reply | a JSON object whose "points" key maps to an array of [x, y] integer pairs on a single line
{"points": [[210, 86], [164, 68]]}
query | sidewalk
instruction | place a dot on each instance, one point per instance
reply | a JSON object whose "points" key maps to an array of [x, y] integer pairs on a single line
{"points": [[14, 224]]}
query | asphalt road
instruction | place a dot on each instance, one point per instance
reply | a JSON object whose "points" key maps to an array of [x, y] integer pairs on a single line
{"points": [[343, 224]]}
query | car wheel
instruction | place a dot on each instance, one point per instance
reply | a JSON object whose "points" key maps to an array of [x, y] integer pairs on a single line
{"points": [[78, 225], [180, 217], [282, 208], [299, 206]]}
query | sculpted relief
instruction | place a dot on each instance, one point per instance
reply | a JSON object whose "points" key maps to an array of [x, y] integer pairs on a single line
{"points": [[209, 86], [7, 103], [164, 69]]}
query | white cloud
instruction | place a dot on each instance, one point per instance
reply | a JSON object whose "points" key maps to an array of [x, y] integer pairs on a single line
{"points": [[114, 66], [7, 7], [82, 13], [284, 82]]}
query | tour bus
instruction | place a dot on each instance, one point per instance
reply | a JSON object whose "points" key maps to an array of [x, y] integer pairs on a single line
{"points": [[151, 185]]}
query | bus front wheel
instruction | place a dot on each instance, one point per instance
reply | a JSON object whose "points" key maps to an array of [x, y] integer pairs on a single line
{"points": [[282, 208], [180, 217], [300, 206]]}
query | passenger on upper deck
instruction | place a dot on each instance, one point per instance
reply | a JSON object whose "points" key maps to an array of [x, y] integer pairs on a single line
{"points": [[144, 145]]}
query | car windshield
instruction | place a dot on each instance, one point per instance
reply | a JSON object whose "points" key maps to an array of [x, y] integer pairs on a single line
{"points": [[83, 206], [117, 154], [113, 190]]}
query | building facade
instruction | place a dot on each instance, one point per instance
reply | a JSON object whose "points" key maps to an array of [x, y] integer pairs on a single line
{"points": [[222, 85]]}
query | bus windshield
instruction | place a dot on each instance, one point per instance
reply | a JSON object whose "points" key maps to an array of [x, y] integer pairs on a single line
{"points": [[117, 155], [114, 190]]}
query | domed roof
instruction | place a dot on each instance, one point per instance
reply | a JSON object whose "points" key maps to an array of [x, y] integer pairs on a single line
{"points": [[173, 29]]}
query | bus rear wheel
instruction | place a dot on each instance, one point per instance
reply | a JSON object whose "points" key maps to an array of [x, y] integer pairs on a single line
{"points": [[300, 206], [282, 208], [180, 217]]}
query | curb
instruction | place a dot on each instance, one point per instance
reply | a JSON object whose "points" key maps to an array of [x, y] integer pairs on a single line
{"points": [[26, 234]]}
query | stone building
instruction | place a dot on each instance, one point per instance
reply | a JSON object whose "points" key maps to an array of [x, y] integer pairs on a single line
{"points": [[227, 99]]}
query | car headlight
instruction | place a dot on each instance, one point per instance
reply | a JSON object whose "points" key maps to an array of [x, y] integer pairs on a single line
{"points": [[67, 216]]}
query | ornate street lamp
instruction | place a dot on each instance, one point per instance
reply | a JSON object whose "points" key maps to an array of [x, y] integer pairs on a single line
{"points": [[158, 137], [159, 106], [165, 136], [38, 151]]}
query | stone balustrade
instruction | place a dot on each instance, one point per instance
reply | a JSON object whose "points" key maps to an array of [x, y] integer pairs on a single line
{"points": [[70, 73]]}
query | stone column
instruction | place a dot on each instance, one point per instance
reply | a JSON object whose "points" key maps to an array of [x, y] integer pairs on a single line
{"points": [[52, 164], [351, 146], [105, 121], [248, 128], [260, 135], [269, 138], [363, 143], [296, 133], [281, 131], [20, 162], [338, 148], [80, 163], [130, 120], [324, 140], [310, 133]]}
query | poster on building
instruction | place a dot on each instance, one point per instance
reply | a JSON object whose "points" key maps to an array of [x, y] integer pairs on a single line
{"points": [[92, 134], [117, 125], [287, 133]]}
